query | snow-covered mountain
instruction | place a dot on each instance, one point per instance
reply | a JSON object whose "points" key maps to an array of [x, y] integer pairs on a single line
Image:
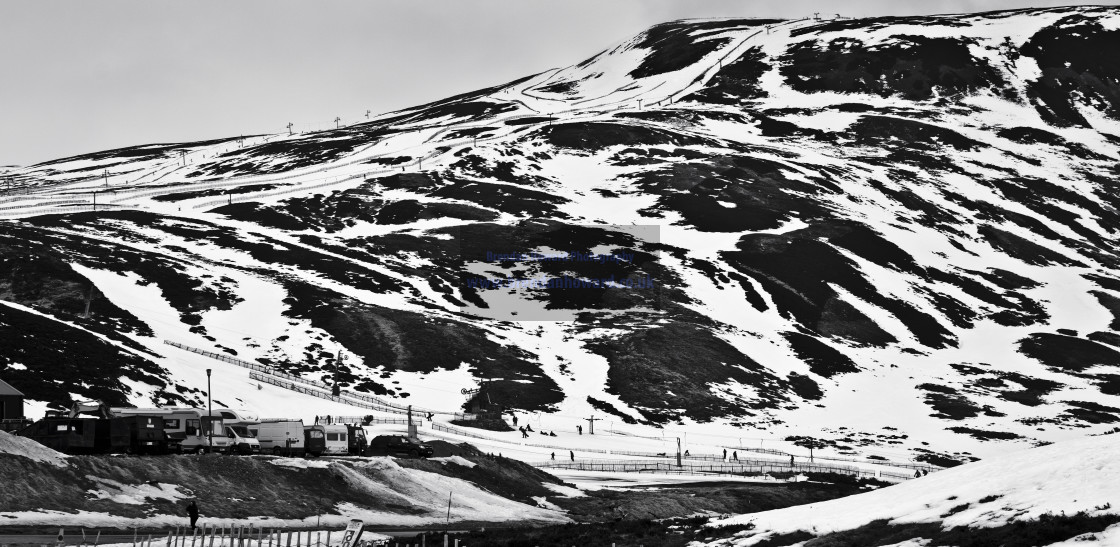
{"points": [[893, 235], [1061, 494]]}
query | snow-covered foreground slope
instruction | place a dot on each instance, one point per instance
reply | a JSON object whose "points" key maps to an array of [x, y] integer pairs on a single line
{"points": [[885, 236], [1066, 478]]}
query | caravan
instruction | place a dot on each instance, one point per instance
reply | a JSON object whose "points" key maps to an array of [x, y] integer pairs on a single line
{"points": [[336, 437], [326, 439]]}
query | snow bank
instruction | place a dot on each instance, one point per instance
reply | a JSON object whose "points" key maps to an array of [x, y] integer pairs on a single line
{"points": [[1071, 477], [566, 491], [300, 463], [20, 446], [543, 502], [135, 494], [457, 460]]}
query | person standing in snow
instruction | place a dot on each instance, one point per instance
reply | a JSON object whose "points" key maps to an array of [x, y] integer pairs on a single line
{"points": [[724, 454], [515, 420], [553, 456], [580, 429], [791, 460], [192, 512], [573, 455], [735, 455]]}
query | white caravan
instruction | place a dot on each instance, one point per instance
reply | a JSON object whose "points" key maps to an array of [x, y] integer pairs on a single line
{"points": [[337, 442]]}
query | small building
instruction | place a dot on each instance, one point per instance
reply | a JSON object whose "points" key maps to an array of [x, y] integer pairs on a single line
{"points": [[11, 402]]}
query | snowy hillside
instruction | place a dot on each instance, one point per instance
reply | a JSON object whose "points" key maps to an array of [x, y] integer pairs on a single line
{"points": [[895, 236], [1064, 479]]}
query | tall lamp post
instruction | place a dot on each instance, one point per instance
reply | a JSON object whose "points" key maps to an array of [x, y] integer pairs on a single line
{"points": [[209, 415]]}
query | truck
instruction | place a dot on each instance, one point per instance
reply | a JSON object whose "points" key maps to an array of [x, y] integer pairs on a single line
{"points": [[356, 444], [70, 433], [281, 437], [187, 430], [76, 435]]}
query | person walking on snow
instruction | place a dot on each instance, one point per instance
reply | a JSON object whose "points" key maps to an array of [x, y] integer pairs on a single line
{"points": [[791, 460], [192, 512], [724, 454], [554, 456], [573, 454]]}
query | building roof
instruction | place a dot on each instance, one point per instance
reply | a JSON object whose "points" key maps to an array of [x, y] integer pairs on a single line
{"points": [[7, 389]]}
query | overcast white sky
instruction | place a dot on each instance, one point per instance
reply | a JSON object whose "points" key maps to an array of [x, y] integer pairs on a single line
{"points": [[81, 76]]}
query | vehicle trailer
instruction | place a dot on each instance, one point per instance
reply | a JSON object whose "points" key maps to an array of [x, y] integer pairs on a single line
{"points": [[281, 437], [336, 439], [315, 440], [145, 433], [80, 435]]}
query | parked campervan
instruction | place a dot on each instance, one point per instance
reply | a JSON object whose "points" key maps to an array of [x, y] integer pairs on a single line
{"points": [[281, 437], [188, 430], [238, 427]]}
